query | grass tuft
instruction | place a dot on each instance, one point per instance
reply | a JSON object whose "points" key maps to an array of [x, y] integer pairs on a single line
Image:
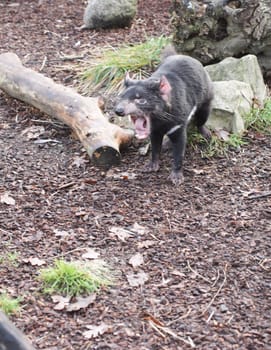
{"points": [[107, 70], [259, 120], [216, 146], [10, 259], [75, 278], [9, 305]]}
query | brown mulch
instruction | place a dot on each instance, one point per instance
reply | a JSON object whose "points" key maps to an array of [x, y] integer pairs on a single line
{"points": [[206, 245]]}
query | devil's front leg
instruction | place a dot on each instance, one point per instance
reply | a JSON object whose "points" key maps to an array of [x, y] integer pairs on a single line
{"points": [[178, 139], [156, 146]]}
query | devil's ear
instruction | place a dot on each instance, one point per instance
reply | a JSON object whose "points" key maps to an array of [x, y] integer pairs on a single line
{"points": [[165, 88], [162, 85], [153, 83], [127, 80]]}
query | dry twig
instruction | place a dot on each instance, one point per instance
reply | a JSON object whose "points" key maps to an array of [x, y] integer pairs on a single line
{"points": [[196, 273], [263, 262], [43, 63], [163, 330], [218, 291], [260, 195]]}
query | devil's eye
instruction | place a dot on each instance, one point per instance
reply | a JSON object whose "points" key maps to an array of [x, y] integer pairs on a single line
{"points": [[141, 101]]}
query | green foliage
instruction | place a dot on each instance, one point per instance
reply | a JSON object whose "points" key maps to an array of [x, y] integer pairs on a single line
{"points": [[216, 146], [108, 70], [9, 259], [260, 119], [9, 305], [74, 278]]}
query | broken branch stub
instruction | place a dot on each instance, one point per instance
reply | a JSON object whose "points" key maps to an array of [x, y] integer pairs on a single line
{"points": [[101, 139]]}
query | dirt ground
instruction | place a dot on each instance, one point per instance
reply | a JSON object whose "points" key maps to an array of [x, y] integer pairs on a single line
{"points": [[205, 276]]}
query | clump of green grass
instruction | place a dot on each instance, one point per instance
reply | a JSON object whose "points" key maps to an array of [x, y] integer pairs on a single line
{"points": [[260, 119], [10, 259], [108, 70], [9, 305], [216, 146], [75, 278]]}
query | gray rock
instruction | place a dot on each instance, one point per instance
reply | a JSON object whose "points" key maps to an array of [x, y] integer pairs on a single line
{"points": [[245, 69], [215, 29], [232, 101], [109, 13]]}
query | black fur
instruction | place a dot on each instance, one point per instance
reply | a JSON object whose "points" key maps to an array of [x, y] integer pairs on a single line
{"points": [[166, 100]]}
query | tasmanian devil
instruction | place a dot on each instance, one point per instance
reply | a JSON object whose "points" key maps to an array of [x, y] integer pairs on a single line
{"points": [[178, 91]]}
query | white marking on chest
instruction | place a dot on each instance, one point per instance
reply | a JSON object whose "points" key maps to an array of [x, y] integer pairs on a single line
{"points": [[176, 127], [191, 114], [172, 130]]}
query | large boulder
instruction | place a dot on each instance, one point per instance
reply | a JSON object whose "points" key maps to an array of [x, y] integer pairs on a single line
{"points": [[245, 69], [109, 13], [238, 84], [211, 30], [232, 102]]}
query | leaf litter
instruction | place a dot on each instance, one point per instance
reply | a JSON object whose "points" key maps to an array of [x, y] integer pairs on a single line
{"points": [[49, 190]]}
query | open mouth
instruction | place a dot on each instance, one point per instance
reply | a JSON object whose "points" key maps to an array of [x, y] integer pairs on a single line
{"points": [[142, 126]]}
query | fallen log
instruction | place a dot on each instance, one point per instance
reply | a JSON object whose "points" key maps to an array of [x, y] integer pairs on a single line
{"points": [[101, 139], [10, 337]]}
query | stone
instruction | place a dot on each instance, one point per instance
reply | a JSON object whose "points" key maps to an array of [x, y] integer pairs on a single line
{"points": [[109, 14], [245, 69], [211, 30], [232, 102]]}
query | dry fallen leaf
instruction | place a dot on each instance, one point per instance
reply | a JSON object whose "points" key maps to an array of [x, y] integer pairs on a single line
{"points": [[95, 331], [61, 233], [35, 261], [112, 173], [137, 279], [124, 233], [33, 132], [129, 332], [90, 254], [61, 301], [222, 134], [7, 199], [178, 273], [81, 303], [120, 232], [4, 126], [136, 260], [146, 244], [79, 161], [138, 229], [198, 171]]}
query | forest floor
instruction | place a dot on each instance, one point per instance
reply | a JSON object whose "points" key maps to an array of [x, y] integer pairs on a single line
{"points": [[206, 245]]}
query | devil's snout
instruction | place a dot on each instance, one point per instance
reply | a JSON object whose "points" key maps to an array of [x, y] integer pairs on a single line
{"points": [[119, 110]]}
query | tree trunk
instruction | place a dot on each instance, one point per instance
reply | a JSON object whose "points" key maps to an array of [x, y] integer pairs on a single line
{"points": [[100, 138], [10, 337], [211, 30]]}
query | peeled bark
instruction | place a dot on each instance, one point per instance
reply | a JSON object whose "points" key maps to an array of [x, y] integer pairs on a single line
{"points": [[10, 337], [211, 30], [101, 139]]}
